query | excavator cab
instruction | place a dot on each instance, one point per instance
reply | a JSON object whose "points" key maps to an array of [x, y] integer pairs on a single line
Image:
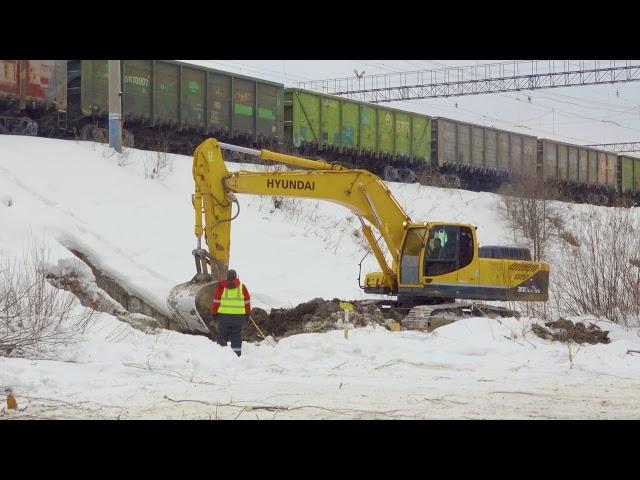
{"points": [[443, 261], [432, 253], [441, 252]]}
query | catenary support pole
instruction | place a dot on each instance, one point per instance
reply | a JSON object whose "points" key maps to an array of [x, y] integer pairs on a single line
{"points": [[115, 106]]}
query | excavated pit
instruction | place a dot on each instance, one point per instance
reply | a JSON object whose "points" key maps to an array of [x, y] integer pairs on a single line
{"points": [[106, 295], [128, 301], [103, 293]]}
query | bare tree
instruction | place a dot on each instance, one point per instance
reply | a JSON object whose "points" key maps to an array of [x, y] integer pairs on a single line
{"points": [[527, 208], [123, 158], [598, 272], [34, 315]]}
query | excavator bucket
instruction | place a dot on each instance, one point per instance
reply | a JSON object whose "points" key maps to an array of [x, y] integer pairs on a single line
{"points": [[190, 303]]}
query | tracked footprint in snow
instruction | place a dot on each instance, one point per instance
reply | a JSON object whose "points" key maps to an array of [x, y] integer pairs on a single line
{"points": [[33, 193], [6, 200], [43, 199]]}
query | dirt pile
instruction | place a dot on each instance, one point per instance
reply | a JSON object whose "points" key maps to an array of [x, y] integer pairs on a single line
{"points": [[563, 330], [317, 315]]}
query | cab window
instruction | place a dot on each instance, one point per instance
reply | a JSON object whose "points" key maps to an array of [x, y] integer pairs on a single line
{"points": [[449, 248], [410, 260], [465, 247]]}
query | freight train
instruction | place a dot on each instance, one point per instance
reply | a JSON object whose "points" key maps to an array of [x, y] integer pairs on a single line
{"points": [[173, 106]]}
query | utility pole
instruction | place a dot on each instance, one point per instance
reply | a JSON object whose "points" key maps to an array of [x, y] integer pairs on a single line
{"points": [[115, 106]]}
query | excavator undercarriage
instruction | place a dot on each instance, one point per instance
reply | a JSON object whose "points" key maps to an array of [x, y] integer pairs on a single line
{"points": [[440, 312]]}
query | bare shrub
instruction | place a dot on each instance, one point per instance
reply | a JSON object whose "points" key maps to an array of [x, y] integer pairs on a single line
{"points": [[431, 178], [529, 309], [34, 315], [122, 159], [289, 204], [569, 238], [601, 274], [278, 202], [160, 163], [528, 211]]}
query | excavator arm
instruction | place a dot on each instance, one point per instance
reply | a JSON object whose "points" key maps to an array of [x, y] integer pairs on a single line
{"points": [[358, 190]]}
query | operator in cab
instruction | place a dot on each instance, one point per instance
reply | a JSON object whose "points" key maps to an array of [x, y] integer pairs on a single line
{"points": [[437, 251]]}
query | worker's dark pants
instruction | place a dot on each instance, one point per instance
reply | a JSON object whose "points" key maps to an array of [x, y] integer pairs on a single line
{"points": [[230, 328]]}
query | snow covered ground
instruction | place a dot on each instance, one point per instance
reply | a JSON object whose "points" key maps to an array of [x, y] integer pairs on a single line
{"points": [[140, 231], [476, 368]]}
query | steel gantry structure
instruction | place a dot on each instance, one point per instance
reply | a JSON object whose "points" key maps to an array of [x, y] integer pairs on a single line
{"points": [[478, 79]]}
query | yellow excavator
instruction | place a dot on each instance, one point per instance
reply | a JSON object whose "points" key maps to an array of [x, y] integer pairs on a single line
{"points": [[432, 263]]}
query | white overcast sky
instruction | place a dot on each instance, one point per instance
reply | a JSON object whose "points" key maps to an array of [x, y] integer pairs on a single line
{"points": [[581, 115]]}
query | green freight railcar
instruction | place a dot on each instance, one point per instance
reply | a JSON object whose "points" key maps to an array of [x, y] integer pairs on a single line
{"points": [[356, 130], [158, 93], [630, 173]]}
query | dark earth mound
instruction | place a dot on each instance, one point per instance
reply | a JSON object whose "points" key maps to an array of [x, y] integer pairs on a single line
{"points": [[563, 330], [317, 315]]}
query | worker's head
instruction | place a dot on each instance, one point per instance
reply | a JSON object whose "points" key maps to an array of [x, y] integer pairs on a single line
{"points": [[437, 243], [231, 275]]}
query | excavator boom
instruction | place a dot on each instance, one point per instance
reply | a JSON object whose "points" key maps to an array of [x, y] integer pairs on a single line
{"points": [[358, 190]]}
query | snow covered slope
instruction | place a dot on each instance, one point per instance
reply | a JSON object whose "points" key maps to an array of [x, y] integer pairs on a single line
{"points": [[140, 231]]}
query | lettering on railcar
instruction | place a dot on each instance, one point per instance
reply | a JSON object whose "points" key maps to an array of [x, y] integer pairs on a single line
{"points": [[135, 80]]}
